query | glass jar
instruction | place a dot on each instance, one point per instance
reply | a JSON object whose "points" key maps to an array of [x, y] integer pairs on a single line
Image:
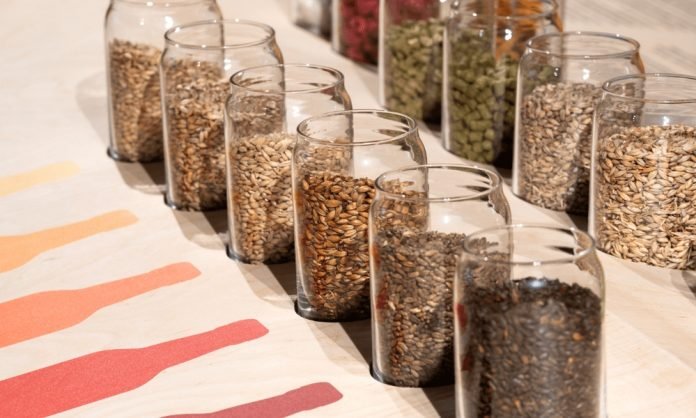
{"points": [[336, 160], [313, 15], [561, 9], [418, 222], [559, 86], [262, 113], [133, 35], [410, 56], [482, 49], [355, 32], [529, 315], [643, 191], [196, 64]]}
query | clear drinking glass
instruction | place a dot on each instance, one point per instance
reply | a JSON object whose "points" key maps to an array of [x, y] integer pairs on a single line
{"points": [[196, 65], [483, 45], [133, 36], [262, 113], [419, 220], [529, 314], [410, 56], [643, 191], [335, 163], [559, 87]]}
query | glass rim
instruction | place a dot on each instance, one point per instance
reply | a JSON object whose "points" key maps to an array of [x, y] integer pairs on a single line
{"points": [[591, 248], [551, 9], [407, 120], [339, 78], [269, 34], [496, 182], [647, 76], [587, 35], [163, 3]]}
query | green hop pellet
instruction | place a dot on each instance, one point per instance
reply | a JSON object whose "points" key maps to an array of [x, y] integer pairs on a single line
{"points": [[413, 69], [481, 99]]}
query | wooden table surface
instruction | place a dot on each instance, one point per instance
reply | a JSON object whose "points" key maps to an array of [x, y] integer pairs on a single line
{"points": [[54, 172]]}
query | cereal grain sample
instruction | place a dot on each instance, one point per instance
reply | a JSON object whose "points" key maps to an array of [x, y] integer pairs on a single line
{"points": [[135, 101], [532, 348], [196, 143], [555, 145], [414, 306], [261, 197], [333, 231], [645, 197]]}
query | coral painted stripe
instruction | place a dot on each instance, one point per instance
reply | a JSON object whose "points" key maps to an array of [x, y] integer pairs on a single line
{"points": [[303, 399], [103, 374], [17, 250], [42, 313], [45, 174]]}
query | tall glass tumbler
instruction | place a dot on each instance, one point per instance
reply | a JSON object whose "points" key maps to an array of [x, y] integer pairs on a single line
{"points": [[558, 89], [262, 113], [643, 197], [196, 65], [337, 158], [133, 32], [529, 314], [419, 220]]}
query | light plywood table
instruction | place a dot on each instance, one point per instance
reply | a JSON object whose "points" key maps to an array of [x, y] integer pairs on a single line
{"points": [[53, 111]]}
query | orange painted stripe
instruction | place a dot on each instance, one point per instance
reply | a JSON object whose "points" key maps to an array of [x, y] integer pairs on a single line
{"points": [[42, 313], [45, 174], [17, 250]]}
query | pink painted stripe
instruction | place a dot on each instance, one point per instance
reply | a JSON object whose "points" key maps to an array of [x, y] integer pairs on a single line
{"points": [[100, 375], [303, 399]]}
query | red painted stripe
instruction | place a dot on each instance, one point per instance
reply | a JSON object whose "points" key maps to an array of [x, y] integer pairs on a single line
{"points": [[303, 399], [103, 374]]}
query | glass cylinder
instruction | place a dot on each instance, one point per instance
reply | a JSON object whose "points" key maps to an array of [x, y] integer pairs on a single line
{"points": [[133, 31], [355, 31], [529, 314], [410, 56], [559, 86], [262, 113], [336, 160], [419, 220], [643, 191], [196, 64], [313, 15], [483, 46]]}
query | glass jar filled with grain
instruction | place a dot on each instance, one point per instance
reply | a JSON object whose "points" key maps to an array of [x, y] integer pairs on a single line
{"points": [[410, 56], [197, 63], [643, 188], [559, 86], [419, 220], [529, 324], [484, 42], [261, 116], [133, 35], [337, 158]]}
